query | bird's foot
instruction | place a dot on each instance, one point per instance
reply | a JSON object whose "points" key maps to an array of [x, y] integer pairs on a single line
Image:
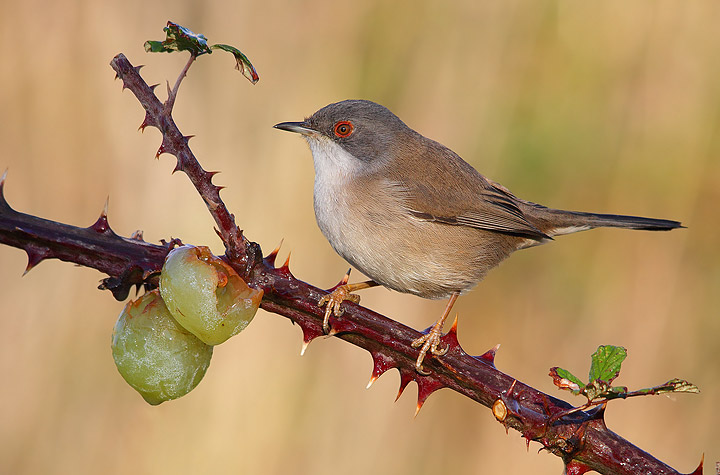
{"points": [[333, 300], [429, 342]]}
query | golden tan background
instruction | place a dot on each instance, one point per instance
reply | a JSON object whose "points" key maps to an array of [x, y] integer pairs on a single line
{"points": [[612, 107]]}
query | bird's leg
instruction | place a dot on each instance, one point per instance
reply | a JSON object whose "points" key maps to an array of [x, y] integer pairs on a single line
{"points": [[341, 293], [431, 340]]}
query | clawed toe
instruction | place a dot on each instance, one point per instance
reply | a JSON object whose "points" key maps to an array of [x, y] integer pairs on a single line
{"points": [[333, 304], [428, 342]]}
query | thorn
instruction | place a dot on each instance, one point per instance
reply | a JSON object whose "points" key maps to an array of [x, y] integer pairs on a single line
{"points": [[152, 88], [219, 188], [178, 166], [102, 225], [147, 120], [217, 231], [381, 363], [163, 149], [187, 139], [489, 356], [273, 254], [117, 75], [332, 332], [373, 378], [286, 265], [453, 328], [305, 344], [699, 470], [425, 388], [417, 409], [512, 386], [450, 339], [35, 256], [138, 68], [405, 378]]}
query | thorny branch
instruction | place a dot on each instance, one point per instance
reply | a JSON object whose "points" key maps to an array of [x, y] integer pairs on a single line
{"points": [[580, 438]]}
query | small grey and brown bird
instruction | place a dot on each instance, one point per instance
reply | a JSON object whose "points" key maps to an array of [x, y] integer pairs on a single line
{"points": [[413, 216]]}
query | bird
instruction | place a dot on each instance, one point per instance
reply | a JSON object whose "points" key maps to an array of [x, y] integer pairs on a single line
{"points": [[414, 217]]}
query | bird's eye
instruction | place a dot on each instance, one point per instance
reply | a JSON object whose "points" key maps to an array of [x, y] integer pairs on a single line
{"points": [[343, 129]]}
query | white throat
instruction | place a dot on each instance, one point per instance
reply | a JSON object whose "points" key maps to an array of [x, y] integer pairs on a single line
{"points": [[332, 162], [335, 170]]}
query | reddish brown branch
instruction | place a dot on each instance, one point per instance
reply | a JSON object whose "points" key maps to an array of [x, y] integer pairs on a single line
{"points": [[581, 439], [173, 142]]}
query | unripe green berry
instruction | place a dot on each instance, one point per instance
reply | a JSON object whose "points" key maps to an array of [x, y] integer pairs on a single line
{"points": [[206, 295], [156, 355]]}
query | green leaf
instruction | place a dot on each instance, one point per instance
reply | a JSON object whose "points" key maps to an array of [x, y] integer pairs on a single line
{"points": [[564, 379], [179, 38], [242, 63], [606, 362]]}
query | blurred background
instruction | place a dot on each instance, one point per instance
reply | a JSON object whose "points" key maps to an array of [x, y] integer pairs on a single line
{"points": [[610, 107]]}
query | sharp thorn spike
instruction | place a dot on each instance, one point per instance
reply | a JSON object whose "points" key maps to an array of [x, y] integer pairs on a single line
{"points": [[287, 262], [489, 355], [373, 378], [417, 409], [512, 386], [138, 68], [453, 328], [332, 332], [273, 254], [303, 348], [102, 225], [35, 256], [699, 470], [187, 139], [405, 378], [4, 177], [152, 88]]}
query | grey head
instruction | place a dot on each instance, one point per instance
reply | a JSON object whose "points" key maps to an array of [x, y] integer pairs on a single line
{"points": [[365, 130]]}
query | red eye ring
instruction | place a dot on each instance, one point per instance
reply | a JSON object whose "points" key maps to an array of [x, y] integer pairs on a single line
{"points": [[343, 129]]}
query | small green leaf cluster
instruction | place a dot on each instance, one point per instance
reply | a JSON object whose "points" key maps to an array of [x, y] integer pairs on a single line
{"points": [[163, 342], [179, 38], [604, 368]]}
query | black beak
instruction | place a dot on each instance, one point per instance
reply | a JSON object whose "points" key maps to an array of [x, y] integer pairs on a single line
{"points": [[297, 127]]}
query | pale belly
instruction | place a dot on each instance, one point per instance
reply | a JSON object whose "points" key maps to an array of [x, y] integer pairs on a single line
{"points": [[406, 254]]}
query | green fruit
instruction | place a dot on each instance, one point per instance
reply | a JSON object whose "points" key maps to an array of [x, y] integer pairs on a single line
{"points": [[206, 295], [155, 355]]}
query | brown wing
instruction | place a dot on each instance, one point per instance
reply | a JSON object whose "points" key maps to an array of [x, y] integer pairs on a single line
{"points": [[450, 191]]}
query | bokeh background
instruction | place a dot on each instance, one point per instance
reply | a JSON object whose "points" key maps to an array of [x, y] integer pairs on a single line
{"points": [[609, 107]]}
